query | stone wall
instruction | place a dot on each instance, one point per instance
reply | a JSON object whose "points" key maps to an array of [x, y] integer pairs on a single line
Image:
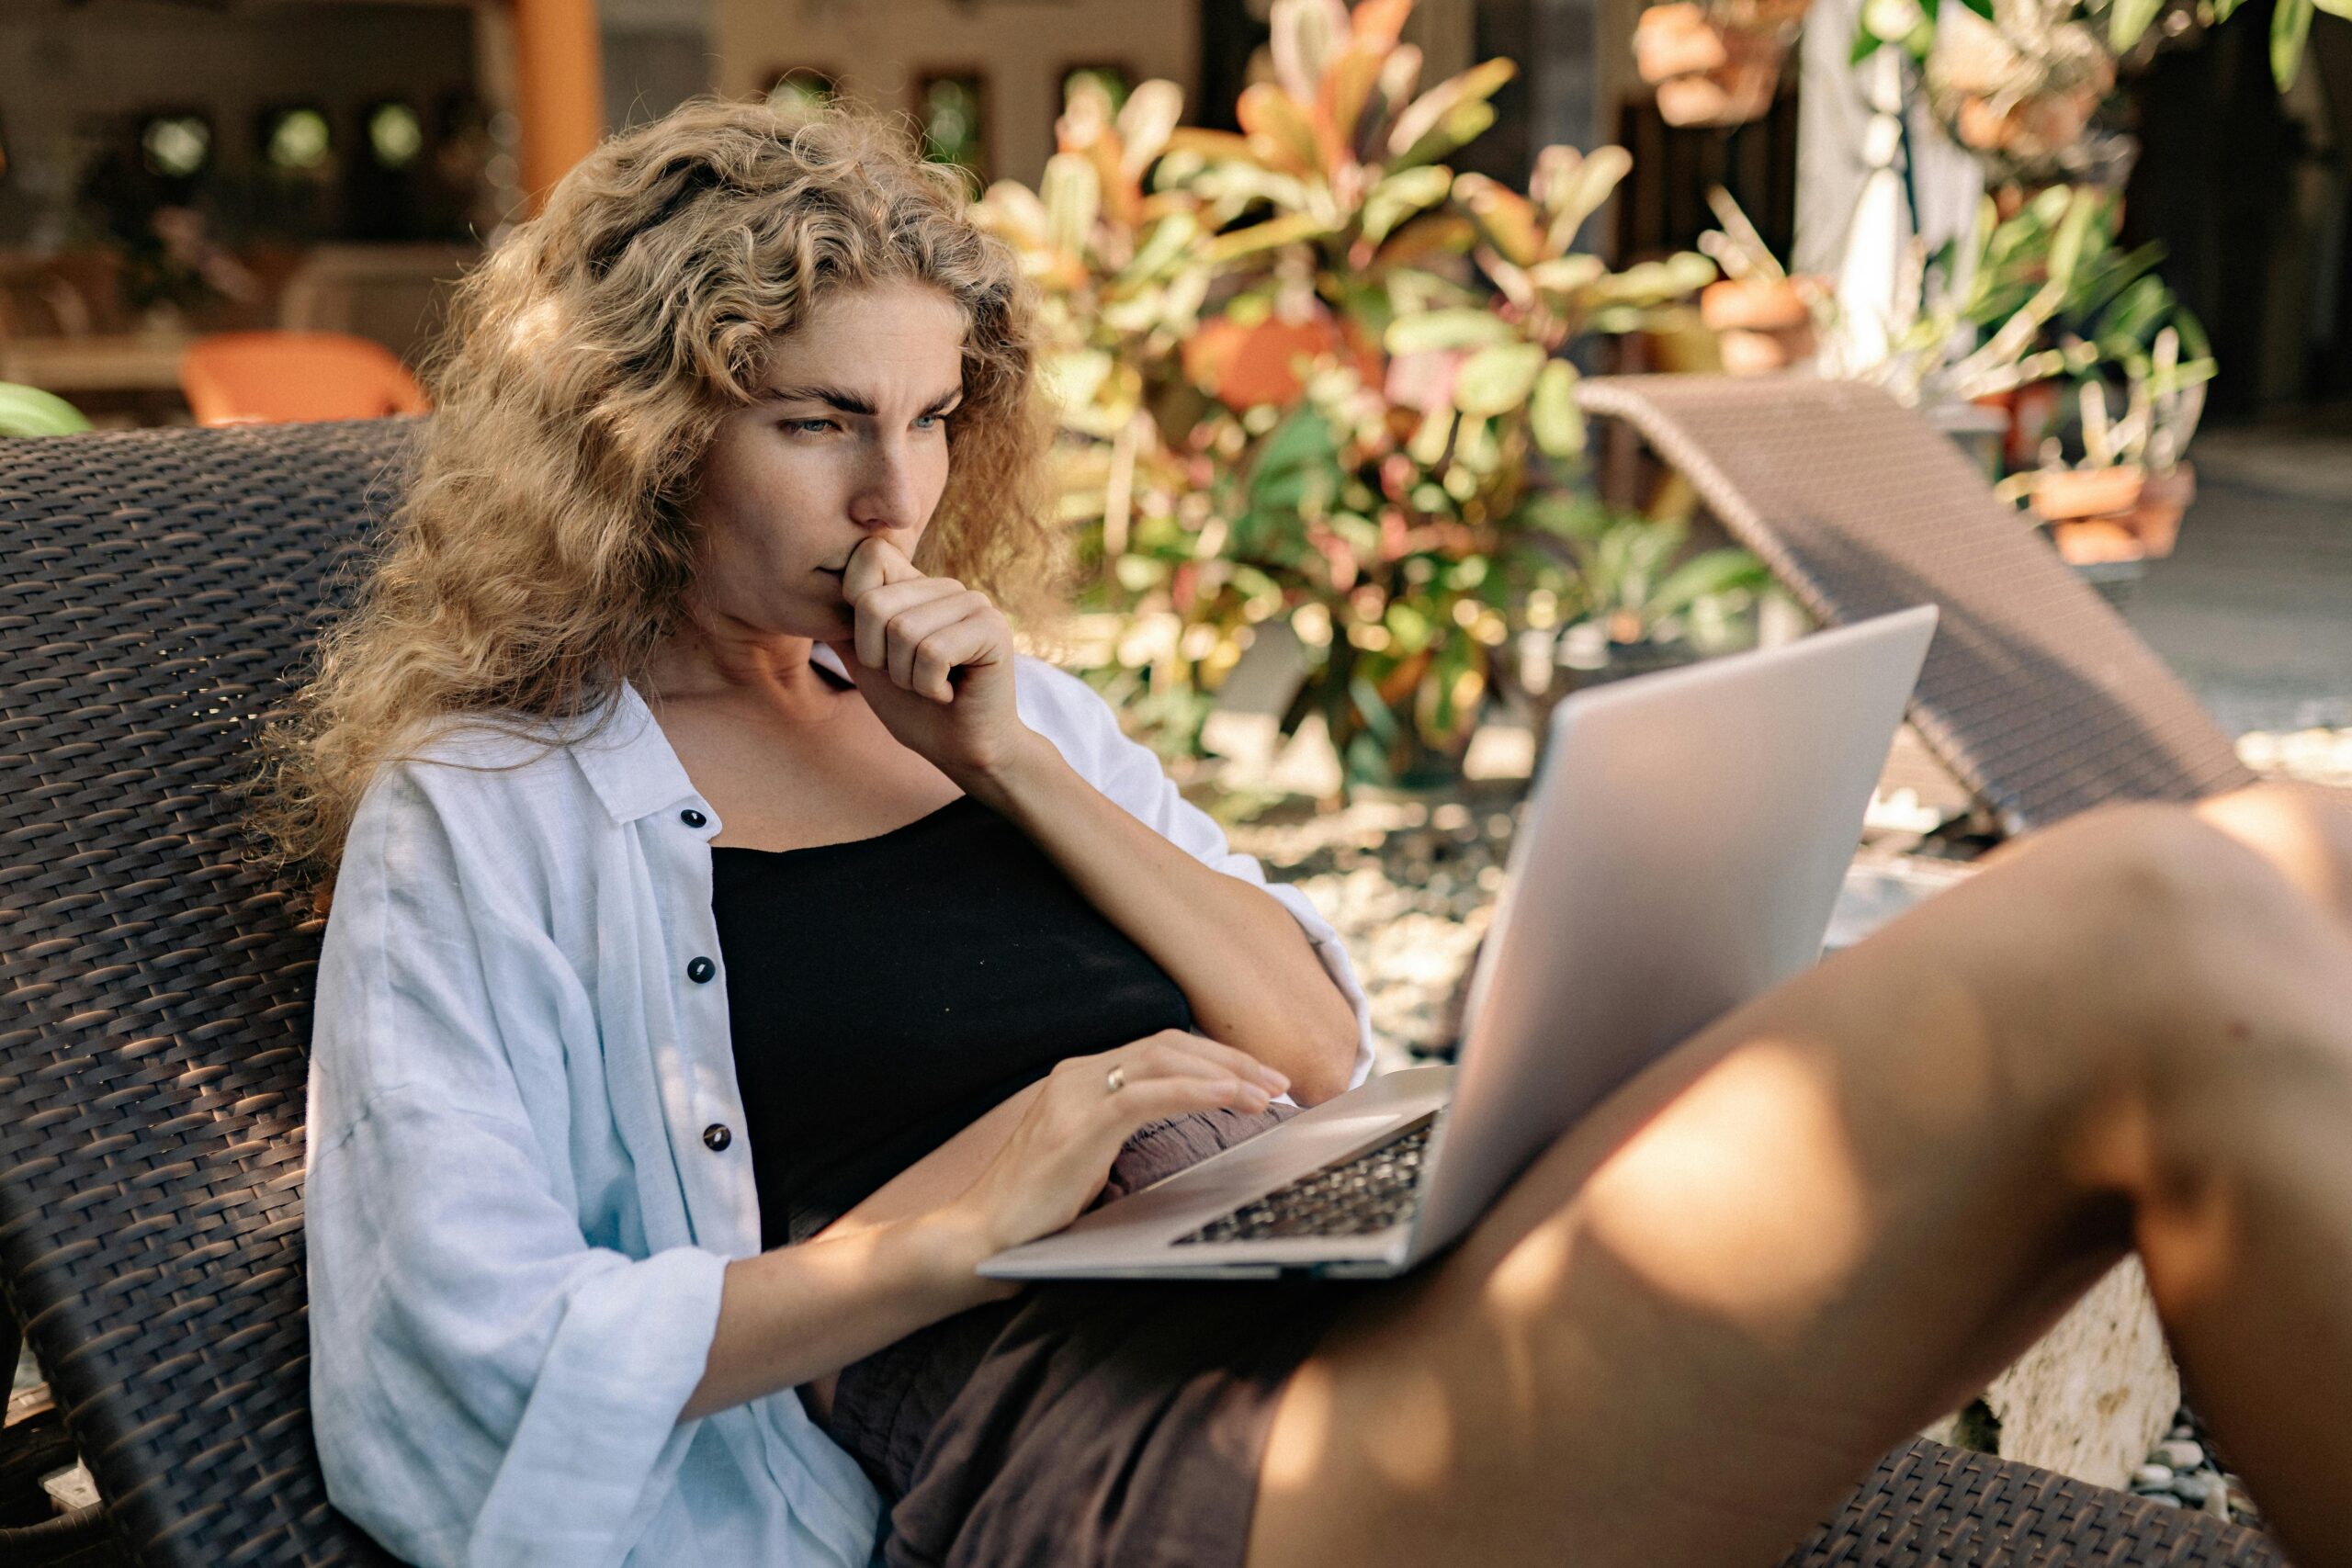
{"points": [[2091, 1397]]}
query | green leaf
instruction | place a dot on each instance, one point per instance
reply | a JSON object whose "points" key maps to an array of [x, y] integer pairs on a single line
{"points": [[1428, 445], [2074, 229], [1167, 241], [1981, 7], [1400, 196], [2128, 21], [1582, 190], [1458, 327], [1288, 230], [1552, 415], [1716, 571], [1073, 196], [1453, 112], [2291, 24], [1295, 461], [1496, 378], [29, 411], [1866, 44]]}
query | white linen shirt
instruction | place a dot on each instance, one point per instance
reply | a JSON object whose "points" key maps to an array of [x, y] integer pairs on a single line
{"points": [[518, 1231]]}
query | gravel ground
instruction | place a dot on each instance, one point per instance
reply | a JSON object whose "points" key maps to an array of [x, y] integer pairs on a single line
{"points": [[2321, 756]]}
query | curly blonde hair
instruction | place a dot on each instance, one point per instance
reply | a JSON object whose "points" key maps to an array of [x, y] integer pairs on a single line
{"points": [[545, 545]]}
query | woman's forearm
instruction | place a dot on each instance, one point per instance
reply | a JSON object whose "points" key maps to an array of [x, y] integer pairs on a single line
{"points": [[796, 1313], [1248, 971]]}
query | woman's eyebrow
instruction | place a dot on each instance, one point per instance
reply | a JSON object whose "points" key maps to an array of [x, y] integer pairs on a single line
{"points": [[847, 401]]}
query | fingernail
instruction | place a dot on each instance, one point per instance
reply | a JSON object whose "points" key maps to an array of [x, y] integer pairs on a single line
{"points": [[1276, 1078]]}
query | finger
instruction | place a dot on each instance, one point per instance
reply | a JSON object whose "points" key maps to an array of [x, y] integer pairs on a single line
{"points": [[1156, 1100], [913, 625], [1224, 1058], [965, 644], [874, 563], [874, 609]]}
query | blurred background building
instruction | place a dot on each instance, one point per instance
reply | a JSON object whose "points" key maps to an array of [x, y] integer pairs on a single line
{"points": [[289, 126]]}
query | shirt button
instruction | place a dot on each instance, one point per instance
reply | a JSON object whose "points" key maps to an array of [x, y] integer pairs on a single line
{"points": [[692, 817], [716, 1137], [700, 970]]}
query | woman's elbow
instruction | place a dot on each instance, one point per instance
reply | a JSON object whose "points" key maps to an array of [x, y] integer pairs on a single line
{"points": [[1328, 1065]]}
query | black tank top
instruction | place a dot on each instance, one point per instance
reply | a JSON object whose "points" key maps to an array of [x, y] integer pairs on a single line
{"points": [[883, 994]]}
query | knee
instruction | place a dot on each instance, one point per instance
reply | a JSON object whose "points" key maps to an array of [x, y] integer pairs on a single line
{"points": [[2208, 927], [2303, 830], [2177, 915]]}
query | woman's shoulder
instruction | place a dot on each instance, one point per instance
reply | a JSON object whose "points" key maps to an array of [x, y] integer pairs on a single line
{"points": [[505, 776]]}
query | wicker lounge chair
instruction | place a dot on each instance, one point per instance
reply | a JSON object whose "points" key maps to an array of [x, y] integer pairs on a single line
{"points": [[156, 593], [2036, 695]]}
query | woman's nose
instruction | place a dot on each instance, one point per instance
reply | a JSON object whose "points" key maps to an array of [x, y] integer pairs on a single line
{"points": [[885, 497]]}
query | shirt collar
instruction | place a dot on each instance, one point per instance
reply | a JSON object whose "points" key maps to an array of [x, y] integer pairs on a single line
{"points": [[628, 761], [631, 765]]}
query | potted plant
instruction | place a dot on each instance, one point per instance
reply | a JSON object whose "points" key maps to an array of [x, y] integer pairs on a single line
{"points": [[1716, 63], [1307, 372], [2123, 500]]}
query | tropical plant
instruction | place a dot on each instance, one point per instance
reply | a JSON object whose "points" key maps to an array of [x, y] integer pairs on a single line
{"points": [[2044, 293], [1308, 372], [2035, 69]]}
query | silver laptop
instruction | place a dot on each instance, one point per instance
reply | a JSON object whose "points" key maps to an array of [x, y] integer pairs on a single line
{"points": [[1682, 853]]}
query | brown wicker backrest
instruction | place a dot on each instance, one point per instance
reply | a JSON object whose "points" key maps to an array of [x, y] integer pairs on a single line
{"points": [[156, 591], [2036, 692]]}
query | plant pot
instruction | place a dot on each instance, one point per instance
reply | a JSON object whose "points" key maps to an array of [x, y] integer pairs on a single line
{"points": [[1677, 40], [2095, 541], [1735, 93], [2064, 495], [1755, 304], [1759, 353], [2164, 498]]}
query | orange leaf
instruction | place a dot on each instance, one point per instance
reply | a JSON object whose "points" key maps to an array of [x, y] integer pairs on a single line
{"points": [[1214, 146], [1504, 216], [1377, 22], [1282, 136], [1346, 89]]}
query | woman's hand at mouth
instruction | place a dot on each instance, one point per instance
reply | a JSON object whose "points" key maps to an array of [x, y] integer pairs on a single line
{"points": [[934, 660]]}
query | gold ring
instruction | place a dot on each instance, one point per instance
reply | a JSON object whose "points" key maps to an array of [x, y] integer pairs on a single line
{"points": [[1117, 1079]]}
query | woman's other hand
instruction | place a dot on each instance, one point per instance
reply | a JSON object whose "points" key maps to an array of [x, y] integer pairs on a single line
{"points": [[934, 660], [1059, 1154]]}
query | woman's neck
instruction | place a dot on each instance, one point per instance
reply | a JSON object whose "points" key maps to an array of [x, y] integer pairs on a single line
{"points": [[778, 675]]}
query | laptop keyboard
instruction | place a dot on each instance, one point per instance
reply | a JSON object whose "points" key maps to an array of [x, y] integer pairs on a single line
{"points": [[1376, 1190]]}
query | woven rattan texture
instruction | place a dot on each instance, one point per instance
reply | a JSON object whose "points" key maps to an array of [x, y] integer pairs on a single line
{"points": [[156, 590], [2036, 692], [1932, 1507]]}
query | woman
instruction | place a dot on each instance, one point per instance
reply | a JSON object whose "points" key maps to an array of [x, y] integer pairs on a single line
{"points": [[733, 943]]}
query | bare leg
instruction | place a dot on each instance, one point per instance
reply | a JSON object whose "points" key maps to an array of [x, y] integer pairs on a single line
{"points": [[1699, 1319]]}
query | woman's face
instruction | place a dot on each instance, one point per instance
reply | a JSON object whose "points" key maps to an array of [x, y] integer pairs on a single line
{"points": [[848, 440]]}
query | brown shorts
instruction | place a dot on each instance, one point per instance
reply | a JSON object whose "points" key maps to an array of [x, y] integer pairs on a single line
{"points": [[1084, 1425]]}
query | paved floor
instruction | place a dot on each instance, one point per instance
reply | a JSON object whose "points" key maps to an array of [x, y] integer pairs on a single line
{"points": [[2254, 608]]}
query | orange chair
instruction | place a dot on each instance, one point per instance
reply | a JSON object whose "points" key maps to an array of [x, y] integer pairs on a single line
{"points": [[286, 378]]}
